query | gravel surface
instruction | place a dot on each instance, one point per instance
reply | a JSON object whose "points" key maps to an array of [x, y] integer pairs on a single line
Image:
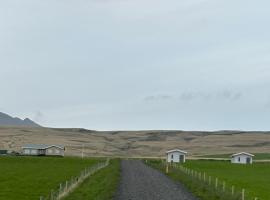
{"points": [[141, 182]]}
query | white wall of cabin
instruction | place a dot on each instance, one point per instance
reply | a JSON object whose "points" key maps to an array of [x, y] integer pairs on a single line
{"points": [[243, 159], [176, 157]]}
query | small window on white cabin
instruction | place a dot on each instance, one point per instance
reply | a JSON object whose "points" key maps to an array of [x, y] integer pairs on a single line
{"points": [[239, 159], [33, 151], [172, 156]]}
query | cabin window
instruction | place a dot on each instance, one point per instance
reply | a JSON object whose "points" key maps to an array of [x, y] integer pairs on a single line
{"points": [[172, 156], [239, 159], [34, 151]]}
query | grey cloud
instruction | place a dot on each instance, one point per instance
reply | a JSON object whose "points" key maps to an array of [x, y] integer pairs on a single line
{"points": [[192, 96], [158, 97]]}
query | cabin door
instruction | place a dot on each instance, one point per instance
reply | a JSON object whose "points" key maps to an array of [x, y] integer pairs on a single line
{"points": [[248, 160], [181, 158]]}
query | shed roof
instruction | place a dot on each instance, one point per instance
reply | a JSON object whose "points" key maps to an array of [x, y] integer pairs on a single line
{"points": [[242, 153], [176, 150], [41, 146]]}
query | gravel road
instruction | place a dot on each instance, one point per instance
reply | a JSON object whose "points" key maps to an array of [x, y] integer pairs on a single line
{"points": [[140, 182]]}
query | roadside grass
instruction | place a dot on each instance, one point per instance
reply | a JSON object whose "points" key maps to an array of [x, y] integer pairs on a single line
{"points": [[28, 178], [257, 156], [100, 186], [253, 178]]}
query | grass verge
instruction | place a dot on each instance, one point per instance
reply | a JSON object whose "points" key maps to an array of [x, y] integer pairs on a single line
{"points": [[100, 186]]}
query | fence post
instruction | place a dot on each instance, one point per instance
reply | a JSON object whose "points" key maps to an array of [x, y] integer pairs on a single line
{"points": [[216, 183], [210, 180], [60, 187], [243, 194], [203, 176], [224, 186], [52, 195], [66, 186], [232, 190], [41, 198], [167, 169]]}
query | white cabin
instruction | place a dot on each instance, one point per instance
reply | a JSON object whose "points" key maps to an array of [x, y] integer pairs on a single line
{"points": [[176, 156], [43, 150], [242, 158]]}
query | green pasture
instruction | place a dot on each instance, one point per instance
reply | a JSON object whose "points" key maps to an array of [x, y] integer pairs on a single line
{"points": [[253, 178], [28, 178]]}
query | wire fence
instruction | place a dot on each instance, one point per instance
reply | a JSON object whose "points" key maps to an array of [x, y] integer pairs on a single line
{"points": [[219, 188], [68, 186]]}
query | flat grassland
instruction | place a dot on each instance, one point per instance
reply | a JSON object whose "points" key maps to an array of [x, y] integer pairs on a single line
{"points": [[100, 186], [28, 178], [254, 178]]}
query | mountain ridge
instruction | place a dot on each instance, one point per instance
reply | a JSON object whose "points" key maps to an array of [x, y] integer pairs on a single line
{"points": [[7, 120]]}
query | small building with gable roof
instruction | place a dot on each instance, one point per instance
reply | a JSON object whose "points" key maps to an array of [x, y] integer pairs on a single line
{"points": [[242, 158], [176, 156]]}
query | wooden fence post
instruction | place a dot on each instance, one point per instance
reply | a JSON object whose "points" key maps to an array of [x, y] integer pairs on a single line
{"points": [[224, 186], [216, 185], [167, 169], [66, 186], [52, 195], [210, 180], [203, 176], [232, 190], [243, 194]]}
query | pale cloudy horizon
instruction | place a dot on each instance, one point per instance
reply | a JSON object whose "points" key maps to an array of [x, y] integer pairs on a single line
{"points": [[132, 65]]}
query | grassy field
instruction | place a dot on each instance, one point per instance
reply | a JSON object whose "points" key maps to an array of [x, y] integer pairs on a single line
{"points": [[257, 156], [27, 178], [254, 178], [100, 186]]}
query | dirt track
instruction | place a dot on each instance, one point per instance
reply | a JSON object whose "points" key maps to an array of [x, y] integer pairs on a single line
{"points": [[140, 182]]}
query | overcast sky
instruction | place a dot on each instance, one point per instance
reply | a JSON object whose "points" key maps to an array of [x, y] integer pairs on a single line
{"points": [[137, 64]]}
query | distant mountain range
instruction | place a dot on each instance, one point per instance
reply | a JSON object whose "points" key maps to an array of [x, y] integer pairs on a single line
{"points": [[6, 120]]}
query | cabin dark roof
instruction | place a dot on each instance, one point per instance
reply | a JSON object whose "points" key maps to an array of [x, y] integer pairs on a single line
{"points": [[41, 146]]}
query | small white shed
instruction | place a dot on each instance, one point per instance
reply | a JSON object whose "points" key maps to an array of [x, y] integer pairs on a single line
{"points": [[176, 156], [242, 158]]}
